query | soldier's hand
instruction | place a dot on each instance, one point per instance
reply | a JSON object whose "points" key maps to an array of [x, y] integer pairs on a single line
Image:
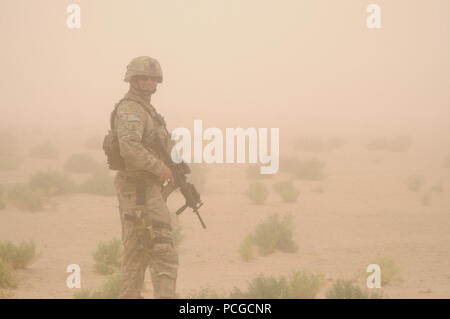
{"points": [[166, 174]]}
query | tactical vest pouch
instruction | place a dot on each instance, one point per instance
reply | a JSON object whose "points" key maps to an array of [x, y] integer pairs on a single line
{"points": [[111, 142], [112, 152], [111, 145]]}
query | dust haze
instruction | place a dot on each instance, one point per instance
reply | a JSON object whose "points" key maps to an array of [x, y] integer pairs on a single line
{"points": [[364, 119]]}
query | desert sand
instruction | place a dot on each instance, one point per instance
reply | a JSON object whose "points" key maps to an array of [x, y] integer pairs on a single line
{"points": [[365, 210]]}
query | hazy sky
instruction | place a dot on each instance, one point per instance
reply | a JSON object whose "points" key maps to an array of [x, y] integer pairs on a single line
{"points": [[312, 67]]}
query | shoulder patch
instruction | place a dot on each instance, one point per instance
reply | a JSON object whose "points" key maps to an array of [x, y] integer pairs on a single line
{"points": [[133, 118]]}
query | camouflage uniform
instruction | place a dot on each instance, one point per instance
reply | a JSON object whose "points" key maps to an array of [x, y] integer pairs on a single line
{"points": [[147, 238]]}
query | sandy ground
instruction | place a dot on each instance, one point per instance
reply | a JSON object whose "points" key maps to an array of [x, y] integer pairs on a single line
{"points": [[365, 210]]}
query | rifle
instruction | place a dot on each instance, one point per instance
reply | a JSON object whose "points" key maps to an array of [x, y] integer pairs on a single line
{"points": [[179, 171]]}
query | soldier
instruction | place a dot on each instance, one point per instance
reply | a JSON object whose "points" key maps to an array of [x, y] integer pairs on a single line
{"points": [[146, 226]]}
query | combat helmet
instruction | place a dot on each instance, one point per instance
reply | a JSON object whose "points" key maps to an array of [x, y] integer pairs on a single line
{"points": [[144, 66]]}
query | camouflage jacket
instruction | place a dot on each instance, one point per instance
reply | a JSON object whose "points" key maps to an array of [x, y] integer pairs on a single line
{"points": [[134, 126]]}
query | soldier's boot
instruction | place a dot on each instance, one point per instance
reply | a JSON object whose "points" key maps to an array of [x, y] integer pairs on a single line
{"points": [[163, 287], [131, 287]]}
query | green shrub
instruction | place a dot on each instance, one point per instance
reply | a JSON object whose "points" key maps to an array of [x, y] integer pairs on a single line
{"points": [[289, 195], [302, 169], [438, 187], [18, 256], [52, 183], [318, 145], [83, 294], [44, 151], [281, 186], [389, 269], [257, 192], [345, 289], [7, 277], [415, 182], [94, 143], [300, 284], [83, 163], [317, 189], [247, 249], [273, 234], [108, 256], [205, 293], [395, 144], [304, 285], [5, 294], [98, 184], [262, 287], [26, 197], [253, 172], [198, 176], [110, 290], [287, 191]]}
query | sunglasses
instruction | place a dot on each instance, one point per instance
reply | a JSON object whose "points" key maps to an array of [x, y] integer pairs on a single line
{"points": [[146, 78]]}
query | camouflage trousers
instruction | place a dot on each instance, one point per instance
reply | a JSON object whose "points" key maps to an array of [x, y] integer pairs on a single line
{"points": [[147, 240]]}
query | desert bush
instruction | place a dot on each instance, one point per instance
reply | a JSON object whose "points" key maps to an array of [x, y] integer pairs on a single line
{"points": [[205, 293], [252, 171], [18, 256], [345, 289], [98, 184], [298, 285], [108, 256], [389, 269], [110, 290], [6, 294], [7, 277], [94, 142], [302, 169], [438, 187], [262, 287], [44, 151], [52, 183], [395, 144], [247, 248], [287, 191], [318, 145], [82, 163], [304, 285], [415, 182], [317, 189], [301, 284], [197, 176], [257, 192], [26, 197], [273, 234]]}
